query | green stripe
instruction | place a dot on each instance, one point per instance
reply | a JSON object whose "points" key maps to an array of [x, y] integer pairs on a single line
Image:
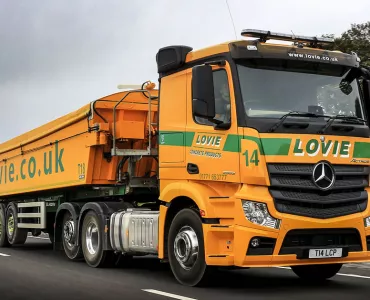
{"points": [[361, 150], [257, 141], [276, 146], [266, 146], [176, 138], [189, 137], [232, 143]]}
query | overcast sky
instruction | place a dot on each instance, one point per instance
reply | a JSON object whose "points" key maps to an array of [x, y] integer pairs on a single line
{"points": [[57, 56]]}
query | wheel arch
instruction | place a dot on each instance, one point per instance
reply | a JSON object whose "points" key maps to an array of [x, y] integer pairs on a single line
{"points": [[197, 192], [178, 196], [173, 208]]}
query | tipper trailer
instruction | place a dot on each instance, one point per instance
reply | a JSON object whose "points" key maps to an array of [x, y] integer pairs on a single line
{"points": [[250, 154]]}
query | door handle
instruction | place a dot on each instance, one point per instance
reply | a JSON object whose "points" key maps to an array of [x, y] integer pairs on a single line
{"points": [[192, 168]]}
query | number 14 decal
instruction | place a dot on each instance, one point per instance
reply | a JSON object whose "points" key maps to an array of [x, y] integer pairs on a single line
{"points": [[253, 158]]}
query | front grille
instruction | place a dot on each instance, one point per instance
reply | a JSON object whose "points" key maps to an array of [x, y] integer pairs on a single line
{"points": [[295, 193], [298, 240]]}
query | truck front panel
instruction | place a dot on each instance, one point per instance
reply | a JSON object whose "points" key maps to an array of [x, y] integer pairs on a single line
{"points": [[303, 200]]}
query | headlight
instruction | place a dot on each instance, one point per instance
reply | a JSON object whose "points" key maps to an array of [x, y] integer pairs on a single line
{"points": [[257, 212], [367, 222]]}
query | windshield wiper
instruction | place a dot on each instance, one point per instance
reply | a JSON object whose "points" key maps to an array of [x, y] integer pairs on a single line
{"points": [[354, 119], [294, 113]]}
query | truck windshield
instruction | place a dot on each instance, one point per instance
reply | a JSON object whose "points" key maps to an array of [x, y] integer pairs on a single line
{"points": [[272, 88]]}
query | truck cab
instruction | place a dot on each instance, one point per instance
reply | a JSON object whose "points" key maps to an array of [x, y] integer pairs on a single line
{"points": [[271, 143]]}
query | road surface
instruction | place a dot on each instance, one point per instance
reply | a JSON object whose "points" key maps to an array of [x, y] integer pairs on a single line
{"points": [[34, 271]]}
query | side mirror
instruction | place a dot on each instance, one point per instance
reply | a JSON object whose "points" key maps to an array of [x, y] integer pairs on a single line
{"points": [[366, 90], [203, 92]]}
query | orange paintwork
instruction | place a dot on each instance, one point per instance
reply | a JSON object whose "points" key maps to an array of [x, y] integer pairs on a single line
{"points": [[33, 161], [220, 196]]}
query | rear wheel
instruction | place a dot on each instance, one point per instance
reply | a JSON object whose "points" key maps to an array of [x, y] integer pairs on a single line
{"points": [[316, 272], [71, 250], [16, 235], [92, 243], [3, 237], [186, 249]]}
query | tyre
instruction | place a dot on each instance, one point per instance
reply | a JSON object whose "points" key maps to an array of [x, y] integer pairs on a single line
{"points": [[16, 236], [3, 237], [186, 253], [92, 243], [51, 236], [316, 272], [71, 250]]}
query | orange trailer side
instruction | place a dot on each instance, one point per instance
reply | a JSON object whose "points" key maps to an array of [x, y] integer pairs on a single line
{"points": [[69, 150]]}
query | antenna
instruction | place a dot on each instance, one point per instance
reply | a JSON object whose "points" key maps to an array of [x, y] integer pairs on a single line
{"points": [[293, 34], [232, 20]]}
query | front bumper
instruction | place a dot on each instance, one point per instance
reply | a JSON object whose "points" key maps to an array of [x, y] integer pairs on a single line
{"points": [[231, 245]]}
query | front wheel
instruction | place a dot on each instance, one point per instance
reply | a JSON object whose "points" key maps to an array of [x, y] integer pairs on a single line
{"points": [[316, 272], [186, 249]]}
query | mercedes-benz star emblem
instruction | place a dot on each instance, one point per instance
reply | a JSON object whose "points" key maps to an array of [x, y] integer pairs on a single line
{"points": [[323, 176]]}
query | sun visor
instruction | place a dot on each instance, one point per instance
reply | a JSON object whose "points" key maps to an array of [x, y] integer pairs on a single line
{"points": [[256, 49]]}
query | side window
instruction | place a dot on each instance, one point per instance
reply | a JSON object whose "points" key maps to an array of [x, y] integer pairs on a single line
{"points": [[222, 98]]}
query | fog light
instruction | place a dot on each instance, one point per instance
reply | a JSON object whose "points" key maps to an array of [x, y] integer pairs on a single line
{"points": [[257, 212], [255, 242], [367, 222]]}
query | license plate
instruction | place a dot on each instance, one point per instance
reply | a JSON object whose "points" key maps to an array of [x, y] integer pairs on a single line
{"points": [[325, 253]]}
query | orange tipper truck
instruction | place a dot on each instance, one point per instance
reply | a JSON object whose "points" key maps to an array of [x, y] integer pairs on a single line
{"points": [[250, 154]]}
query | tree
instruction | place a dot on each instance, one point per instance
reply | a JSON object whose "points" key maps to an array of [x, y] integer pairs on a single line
{"points": [[356, 39]]}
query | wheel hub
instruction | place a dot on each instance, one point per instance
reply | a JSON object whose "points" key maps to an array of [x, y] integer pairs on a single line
{"points": [[186, 247], [69, 231], [11, 225], [92, 238]]}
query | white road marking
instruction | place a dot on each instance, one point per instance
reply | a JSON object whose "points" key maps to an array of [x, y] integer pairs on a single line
{"points": [[5, 255], [169, 295], [353, 275], [339, 274]]}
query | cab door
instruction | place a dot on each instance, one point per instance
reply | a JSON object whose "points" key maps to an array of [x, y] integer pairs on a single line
{"points": [[212, 154]]}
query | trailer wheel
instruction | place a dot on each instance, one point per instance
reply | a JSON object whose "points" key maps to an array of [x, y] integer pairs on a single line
{"points": [[316, 272], [186, 249], [3, 237], [71, 250], [92, 243], [16, 235]]}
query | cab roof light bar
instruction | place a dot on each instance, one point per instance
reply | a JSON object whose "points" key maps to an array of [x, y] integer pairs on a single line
{"points": [[264, 35]]}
